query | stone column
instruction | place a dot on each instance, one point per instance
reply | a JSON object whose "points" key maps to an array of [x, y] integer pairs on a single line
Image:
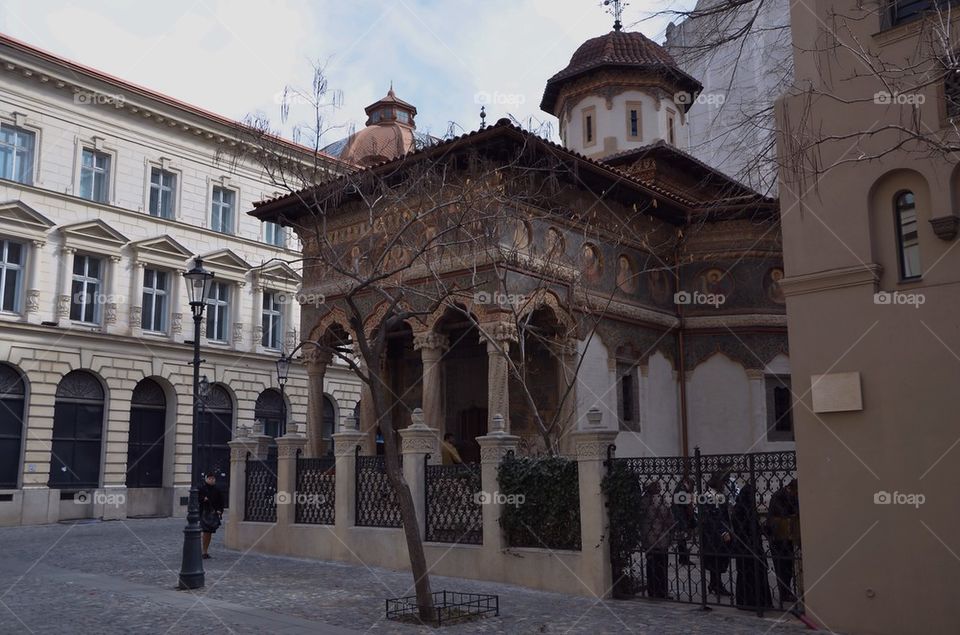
{"points": [[110, 308], [66, 282], [432, 347], [316, 361], [176, 307], [498, 337], [136, 298], [418, 441], [494, 446], [345, 445], [287, 448], [592, 444], [33, 282], [239, 449], [256, 316]]}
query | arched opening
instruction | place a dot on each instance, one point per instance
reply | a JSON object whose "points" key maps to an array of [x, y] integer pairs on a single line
{"points": [[77, 432], [12, 397], [404, 375], [329, 424], [148, 416], [535, 386], [215, 432], [269, 410], [464, 383]]}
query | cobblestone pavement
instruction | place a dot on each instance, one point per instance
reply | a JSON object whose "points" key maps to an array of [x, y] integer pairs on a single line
{"points": [[119, 577]]}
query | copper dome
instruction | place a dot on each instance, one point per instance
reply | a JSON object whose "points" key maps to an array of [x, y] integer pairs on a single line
{"points": [[618, 49]]}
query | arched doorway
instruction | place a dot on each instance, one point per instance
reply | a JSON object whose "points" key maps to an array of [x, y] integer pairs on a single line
{"points": [[148, 418], [77, 432], [269, 410], [12, 395], [329, 424], [216, 431]]}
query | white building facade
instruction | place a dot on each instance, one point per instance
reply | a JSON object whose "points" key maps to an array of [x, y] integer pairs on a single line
{"points": [[108, 193]]}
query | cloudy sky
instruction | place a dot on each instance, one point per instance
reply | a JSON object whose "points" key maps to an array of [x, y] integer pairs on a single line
{"points": [[234, 57]]}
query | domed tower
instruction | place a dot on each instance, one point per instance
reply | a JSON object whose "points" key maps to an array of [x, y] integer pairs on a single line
{"points": [[620, 91], [390, 132]]}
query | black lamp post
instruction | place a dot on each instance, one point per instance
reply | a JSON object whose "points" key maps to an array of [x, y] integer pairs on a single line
{"points": [[191, 567], [283, 371]]}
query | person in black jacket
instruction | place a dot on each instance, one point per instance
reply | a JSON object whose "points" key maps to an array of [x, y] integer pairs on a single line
{"points": [[211, 510], [717, 532]]}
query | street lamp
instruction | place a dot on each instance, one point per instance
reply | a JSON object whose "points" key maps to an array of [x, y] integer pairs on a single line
{"points": [[191, 566], [283, 372]]}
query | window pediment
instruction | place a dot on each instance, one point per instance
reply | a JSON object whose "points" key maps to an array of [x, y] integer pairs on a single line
{"points": [[164, 251], [95, 236], [20, 220], [278, 275], [227, 265]]}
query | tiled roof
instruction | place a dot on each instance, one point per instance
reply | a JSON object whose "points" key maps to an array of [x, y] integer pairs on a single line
{"points": [[620, 49]]}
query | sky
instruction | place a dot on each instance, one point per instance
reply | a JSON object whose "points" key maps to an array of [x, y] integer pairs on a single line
{"points": [[236, 57]]}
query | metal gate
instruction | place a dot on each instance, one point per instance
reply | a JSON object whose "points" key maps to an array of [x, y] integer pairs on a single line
{"points": [[720, 529]]}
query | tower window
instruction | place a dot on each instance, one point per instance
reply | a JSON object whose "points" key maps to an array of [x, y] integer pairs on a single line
{"points": [[589, 121], [634, 119]]}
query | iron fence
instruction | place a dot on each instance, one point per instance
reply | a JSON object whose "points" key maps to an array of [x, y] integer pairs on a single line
{"points": [[452, 505], [315, 496], [260, 492], [376, 502], [717, 529]]}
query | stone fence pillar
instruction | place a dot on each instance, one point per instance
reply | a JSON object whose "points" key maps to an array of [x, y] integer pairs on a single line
{"points": [[345, 444], [493, 448], [592, 443], [287, 450], [417, 442], [239, 449]]}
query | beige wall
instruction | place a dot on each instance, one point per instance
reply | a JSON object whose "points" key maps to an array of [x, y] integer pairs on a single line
{"points": [[868, 567]]}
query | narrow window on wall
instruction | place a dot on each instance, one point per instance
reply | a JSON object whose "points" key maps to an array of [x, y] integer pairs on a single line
{"points": [[589, 128], [218, 312], [627, 397], [634, 123], [16, 154], [95, 176], [779, 408], [272, 320], [86, 296], [11, 275], [163, 189], [155, 300], [222, 213], [907, 239], [671, 129]]}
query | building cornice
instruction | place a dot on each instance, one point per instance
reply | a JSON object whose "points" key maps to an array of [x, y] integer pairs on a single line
{"points": [[840, 278]]}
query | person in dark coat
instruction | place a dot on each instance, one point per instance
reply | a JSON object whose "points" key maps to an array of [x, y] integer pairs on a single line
{"points": [[717, 532], [684, 517], [656, 528], [211, 510], [783, 524], [752, 590]]}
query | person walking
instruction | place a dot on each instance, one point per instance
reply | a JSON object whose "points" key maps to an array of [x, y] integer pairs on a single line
{"points": [[783, 525], [211, 510], [655, 531], [752, 590], [448, 451]]}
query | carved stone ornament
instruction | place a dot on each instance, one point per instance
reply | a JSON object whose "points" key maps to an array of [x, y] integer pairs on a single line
{"points": [[238, 331], [110, 315], [495, 453], [136, 317], [63, 306], [946, 227], [418, 444], [33, 301], [176, 323], [430, 340]]}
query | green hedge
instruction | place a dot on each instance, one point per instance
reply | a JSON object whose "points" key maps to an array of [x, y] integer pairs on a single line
{"points": [[624, 493], [544, 510]]}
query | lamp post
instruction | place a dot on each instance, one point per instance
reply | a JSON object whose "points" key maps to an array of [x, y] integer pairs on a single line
{"points": [[283, 372], [198, 282]]}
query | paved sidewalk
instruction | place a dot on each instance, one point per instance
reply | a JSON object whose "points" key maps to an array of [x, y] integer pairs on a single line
{"points": [[119, 577]]}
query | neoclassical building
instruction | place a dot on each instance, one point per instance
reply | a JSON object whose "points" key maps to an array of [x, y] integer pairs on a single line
{"points": [[108, 193], [681, 263]]}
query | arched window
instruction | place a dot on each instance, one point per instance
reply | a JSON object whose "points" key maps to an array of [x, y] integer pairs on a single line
{"points": [[908, 243], [148, 420], [329, 424], [216, 431], [12, 393], [77, 432], [269, 410]]}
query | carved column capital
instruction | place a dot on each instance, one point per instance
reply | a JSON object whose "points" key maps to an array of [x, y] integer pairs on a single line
{"points": [[431, 340]]}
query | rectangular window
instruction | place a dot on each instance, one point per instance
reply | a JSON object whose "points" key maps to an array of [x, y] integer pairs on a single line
{"points": [[87, 296], [155, 289], [671, 129], [218, 312], [589, 128], [221, 218], [16, 154], [95, 176], [902, 11], [634, 123], [11, 275], [627, 402], [907, 237], [163, 189], [272, 320], [273, 234], [779, 408]]}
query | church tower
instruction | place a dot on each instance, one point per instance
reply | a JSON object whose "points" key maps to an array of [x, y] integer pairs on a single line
{"points": [[620, 91]]}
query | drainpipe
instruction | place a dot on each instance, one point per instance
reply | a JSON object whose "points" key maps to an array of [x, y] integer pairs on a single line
{"points": [[681, 352]]}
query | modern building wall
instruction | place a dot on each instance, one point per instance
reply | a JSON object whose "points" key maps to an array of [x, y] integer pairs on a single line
{"points": [[874, 375], [67, 109]]}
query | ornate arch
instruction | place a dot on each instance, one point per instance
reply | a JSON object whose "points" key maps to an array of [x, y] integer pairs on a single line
{"points": [[544, 298], [335, 316], [469, 305]]}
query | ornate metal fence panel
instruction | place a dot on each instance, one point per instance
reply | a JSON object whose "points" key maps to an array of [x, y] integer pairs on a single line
{"points": [[452, 505], [316, 491], [376, 501], [718, 529], [260, 493]]}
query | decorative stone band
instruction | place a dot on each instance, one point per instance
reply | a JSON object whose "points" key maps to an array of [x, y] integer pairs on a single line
{"points": [[345, 443], [833, 279], [239, 448], [493, 448], [288, 446], [593, 444], [418, 444], [732, 321]]}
